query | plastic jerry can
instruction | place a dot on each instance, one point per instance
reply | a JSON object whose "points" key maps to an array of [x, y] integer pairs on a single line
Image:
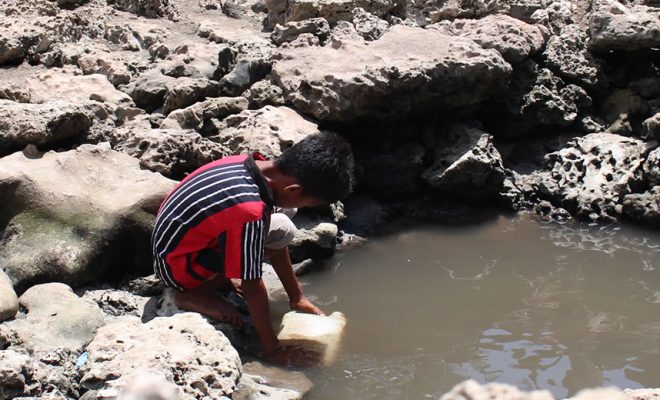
{"points": [[321, 334]]}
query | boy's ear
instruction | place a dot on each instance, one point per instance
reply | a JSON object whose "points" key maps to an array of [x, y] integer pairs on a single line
{"points": [[294, 188]]}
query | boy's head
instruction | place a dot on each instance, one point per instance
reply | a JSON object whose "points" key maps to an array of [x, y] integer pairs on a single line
{"points": [[321, 166]]}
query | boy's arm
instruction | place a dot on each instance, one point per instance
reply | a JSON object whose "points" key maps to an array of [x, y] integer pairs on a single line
{"points": [[256, 298], [281, 262]]}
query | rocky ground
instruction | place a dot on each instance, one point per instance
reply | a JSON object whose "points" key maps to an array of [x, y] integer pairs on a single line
{"points": [[452, 106]]}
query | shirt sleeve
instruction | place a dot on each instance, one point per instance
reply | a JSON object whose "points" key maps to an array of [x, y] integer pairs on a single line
{"points": [[252, 249]]}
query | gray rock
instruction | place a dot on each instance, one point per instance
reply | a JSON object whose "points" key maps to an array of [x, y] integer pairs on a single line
{"points": [[515, 40], [8, 299], [279, 377], [148, 8], [367, 25], [651, 127], [622, 103], [269, 130], [431, 11], [363, 215], [393, 172], [613, 26], [246, 72], [251, 388], [316, 238], [652, 168], [184, 92], [113, 68], [66, 221], [318, 27], [407, 71], [197, 115], [20, 38], [195, 60], [568, 56], [118, 303], [171, 152], [644, 207], [556, 14], [145, 286], [466, 163], [280, 11], [15, 92], [183, 348], [264, 93], [593, 173], [55, 318], [148, 89], [23, 376], [23, 123]]}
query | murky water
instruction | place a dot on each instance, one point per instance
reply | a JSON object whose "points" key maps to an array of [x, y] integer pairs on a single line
{"points": [[511, 300]]}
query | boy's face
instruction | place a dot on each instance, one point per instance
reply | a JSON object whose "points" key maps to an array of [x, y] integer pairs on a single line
{"points": [[292, 196]]}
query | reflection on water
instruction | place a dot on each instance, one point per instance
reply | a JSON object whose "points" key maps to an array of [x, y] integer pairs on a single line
{"points": [[545, 306]]}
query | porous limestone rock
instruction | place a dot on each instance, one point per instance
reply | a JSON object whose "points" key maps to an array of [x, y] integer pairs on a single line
{"points": [[471, 390], [280, 11], [252, 388], [593, 173], [319, 27], [424, 12], [556, 14], [247, 71], [644, 207], [70, 216], [23, 376], [406, 71], [118, 303], [264, 93], [8, 299], [184, 92], [199, 114], [316, 238], [466, 163], [652, 168], [112, 67], [56, 318], [148, 8], [185, 348], [515, 40], [24, 123], [269, 130], [148, 89], [651, 127], [367, 25], [196, 60], [613, 26]]}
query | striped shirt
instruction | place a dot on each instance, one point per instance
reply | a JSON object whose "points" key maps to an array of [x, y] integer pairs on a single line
{"points": [[215, 220]]}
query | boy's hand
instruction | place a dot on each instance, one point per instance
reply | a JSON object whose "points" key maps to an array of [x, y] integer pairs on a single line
{"points": [[293, 356], [305, 305]]}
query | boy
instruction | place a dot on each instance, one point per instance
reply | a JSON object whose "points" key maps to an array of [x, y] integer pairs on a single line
{"points": [[214, 226]]}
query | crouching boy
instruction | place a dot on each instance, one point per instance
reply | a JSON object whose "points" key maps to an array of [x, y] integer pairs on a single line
{"points": [[217, 225]]}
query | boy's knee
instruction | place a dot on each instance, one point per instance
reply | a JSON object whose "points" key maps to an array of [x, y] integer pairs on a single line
{"points": [[281, 233]]}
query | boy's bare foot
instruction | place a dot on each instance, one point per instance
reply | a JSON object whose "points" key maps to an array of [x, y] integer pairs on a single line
{"points": [[209, 304]]}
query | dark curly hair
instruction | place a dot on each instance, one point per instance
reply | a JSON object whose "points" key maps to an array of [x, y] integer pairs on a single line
{"points": [[323, 163]]}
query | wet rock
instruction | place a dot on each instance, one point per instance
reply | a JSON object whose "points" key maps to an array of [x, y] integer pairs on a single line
{"points": [[280, 11], [568, 56], [246, 72], [148, 8], [23, 376], [471, 390], [264, 93], [252, 388], [197, 115], [394, 172], [591, 176], [613, 26], [318, 27], [466, 163], [184, 348], [651, 127], [55, 318], [316, 238], [23, 123], [269, 130], [172, 152], [278, 377], [367, 25], [8, 299], [66, 214], [515, 40], [184, 92], [404, 72]]}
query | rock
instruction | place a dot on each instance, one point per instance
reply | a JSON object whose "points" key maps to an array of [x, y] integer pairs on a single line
{"points": [[251, 388], [118, 303], [556, 14], [644, 207], [394, 172], [55, 318], [199, 114], [264, 93], [172, 152], [184, 92], [14, 92], [145, 286], [278, 377], [593, 173], [318, 333], [515, 40], [23, 376], [316, 238], [147, 8], [651, 127], [64, 220], [280, 12], [466, 163], [246, 72], [363, 215], [184, 348], [568, 56], [229, 31], [148, 89], [8, 299], [23, 123], [70, 3], [195, 60], [269, 130], [407, 71], [613, 26], [367, 25], [471, 390], [622, 103], [431, 12], [288, 32], [144, 383], [114, 69], [652, 168]]}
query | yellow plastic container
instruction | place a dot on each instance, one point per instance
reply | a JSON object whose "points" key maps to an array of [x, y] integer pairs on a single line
{"points": [[321, 334]]}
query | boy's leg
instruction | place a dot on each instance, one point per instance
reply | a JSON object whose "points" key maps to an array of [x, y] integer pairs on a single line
{"points": [[204, 300]]}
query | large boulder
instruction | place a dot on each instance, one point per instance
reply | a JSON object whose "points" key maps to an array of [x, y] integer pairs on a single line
{"points": [[407, 71], [55, 319], [613, 26], [185, 348], [593, 173], [8, 299], [466, 163], [69, 216], [269, 130]]}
